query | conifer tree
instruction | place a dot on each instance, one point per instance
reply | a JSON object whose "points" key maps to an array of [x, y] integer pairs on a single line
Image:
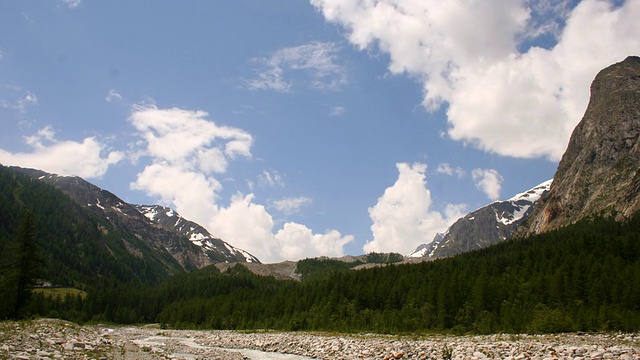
{"points": [[23, 265]]}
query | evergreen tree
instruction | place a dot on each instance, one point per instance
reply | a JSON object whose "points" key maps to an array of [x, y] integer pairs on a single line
{"points": [[21, 268]]}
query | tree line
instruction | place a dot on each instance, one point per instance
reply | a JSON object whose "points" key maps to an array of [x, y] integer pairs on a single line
{"points": [[584, 277]]}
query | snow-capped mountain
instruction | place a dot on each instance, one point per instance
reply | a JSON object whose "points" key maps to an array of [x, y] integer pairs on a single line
{"points": [[166, 232], [214, 247], [486, 226]]}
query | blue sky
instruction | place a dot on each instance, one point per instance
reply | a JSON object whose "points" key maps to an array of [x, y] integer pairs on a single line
{"points": [[294, 129]]}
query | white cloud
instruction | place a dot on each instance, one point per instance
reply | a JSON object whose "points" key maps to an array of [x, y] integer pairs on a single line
{"points": [[403, 218], [24, 100], [270, 178], [113, 96], [187, 152], [488, 181], [291, 205], [316, 61], [187, 138], [87, 159], [249, 226], [72, 3], [447, 169], [191, 193], [504, 96], [297, 241], [547, 18], [338, 111]]}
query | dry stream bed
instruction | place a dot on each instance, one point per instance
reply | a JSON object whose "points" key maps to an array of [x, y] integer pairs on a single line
{"points": [[57, 339]]}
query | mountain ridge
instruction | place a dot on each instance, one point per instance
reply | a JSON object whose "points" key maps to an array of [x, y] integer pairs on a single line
{"points": [[129, 217], [486, 226]]}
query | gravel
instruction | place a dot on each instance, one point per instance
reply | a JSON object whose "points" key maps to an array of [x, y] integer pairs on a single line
{"points": [[57, 339]]}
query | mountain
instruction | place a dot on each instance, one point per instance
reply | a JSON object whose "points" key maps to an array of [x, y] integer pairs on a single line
{"points": [[214, 247], [599, 173], [167, 233], [484, 227]]}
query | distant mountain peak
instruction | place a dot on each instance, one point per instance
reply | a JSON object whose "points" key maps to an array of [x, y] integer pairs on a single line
{"points": [[486, 226]]}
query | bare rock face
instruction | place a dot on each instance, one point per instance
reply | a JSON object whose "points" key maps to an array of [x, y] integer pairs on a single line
{"points": [[599, 173]]}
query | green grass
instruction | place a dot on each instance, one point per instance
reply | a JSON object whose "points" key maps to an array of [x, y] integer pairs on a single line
{"points": [[61, 292]]}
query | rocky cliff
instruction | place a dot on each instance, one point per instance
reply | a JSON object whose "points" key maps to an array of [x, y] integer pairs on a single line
{"points": [[599, 173]]}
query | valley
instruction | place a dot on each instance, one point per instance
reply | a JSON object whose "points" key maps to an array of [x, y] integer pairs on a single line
{"points": [[561, 258]]}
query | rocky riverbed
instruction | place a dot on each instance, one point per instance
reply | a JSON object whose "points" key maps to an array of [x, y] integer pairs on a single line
{"points": [[56, 339]]}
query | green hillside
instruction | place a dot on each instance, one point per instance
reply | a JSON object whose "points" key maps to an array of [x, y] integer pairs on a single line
{"points": [[72, 246]]}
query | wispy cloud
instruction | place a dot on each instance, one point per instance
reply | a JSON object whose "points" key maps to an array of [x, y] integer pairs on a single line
{"points": [[312, 65], [18, 99], [291, 205], [270, 178], [72, 3], [113, 96], [338, 111], [447, 169]]}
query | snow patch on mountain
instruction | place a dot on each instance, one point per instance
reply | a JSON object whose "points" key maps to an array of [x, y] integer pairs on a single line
{"points": [[523, 202]]}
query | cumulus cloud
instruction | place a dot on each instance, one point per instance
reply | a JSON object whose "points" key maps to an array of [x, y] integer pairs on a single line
{"points": [[291, 205], [187, 153], [186, 150], [293, 235], [504, 94], [403, 218], [488, 181], [88, 159], [249, 225], [191, 193], [188, 138], [316, 61]]}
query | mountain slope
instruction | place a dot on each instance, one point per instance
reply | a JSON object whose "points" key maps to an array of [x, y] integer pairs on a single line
{"points": [[214, 247], [78, 245], [128, 219], [484, 227], [599, 173]]}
